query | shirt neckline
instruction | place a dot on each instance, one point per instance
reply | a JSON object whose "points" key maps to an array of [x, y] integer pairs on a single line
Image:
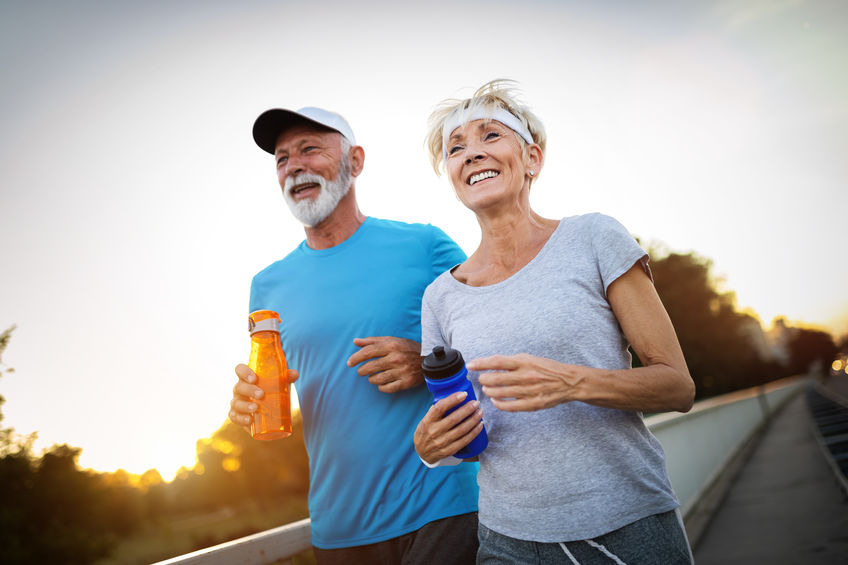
{"points": [[516, 275], [340, 246]]}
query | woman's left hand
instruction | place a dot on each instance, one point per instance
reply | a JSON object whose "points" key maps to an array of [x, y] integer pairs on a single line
{"points": [[523, 383]]}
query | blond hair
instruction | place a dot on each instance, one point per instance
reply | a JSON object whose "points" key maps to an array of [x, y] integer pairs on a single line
{"points": [[495, 94]]}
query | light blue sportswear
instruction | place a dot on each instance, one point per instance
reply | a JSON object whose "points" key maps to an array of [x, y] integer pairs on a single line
{"points": [[366, 482]]}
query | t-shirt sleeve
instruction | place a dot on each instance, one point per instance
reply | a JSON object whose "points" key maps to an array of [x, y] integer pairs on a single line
{"points": [[431, 331], [255, 299], [615, 249], [444, 252]]}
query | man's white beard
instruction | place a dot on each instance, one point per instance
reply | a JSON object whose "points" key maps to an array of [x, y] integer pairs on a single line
{"points": [[313, 211]]}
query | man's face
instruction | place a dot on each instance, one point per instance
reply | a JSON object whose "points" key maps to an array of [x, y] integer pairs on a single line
{"points": [[313, 171]]}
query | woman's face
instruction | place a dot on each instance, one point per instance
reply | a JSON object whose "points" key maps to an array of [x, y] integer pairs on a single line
{"points": [[485, 164]]}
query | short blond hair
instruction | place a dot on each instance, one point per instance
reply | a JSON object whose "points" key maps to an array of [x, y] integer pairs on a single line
{"points": [[496, 94]]}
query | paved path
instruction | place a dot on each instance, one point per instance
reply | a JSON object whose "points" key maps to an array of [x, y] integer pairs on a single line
{"points": [[785, 507]]}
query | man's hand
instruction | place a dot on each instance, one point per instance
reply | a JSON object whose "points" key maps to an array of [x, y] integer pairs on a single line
{"points": [[242, 406], [393, 363]]}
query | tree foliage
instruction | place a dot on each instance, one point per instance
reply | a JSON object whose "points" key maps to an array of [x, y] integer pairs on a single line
{"points": [[810, 348], [52, 511], [726, 349]]}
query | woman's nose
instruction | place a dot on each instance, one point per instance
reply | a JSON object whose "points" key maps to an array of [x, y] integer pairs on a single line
{"points": [[473, 157]]}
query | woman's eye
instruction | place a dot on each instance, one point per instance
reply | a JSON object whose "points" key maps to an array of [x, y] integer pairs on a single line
{"points": [[492, 135], [454, 149]]}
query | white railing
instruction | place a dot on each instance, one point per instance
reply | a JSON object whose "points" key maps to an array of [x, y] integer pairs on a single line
{"points": [[700, 443], [706, 446], [265, 547], [700, 446]]}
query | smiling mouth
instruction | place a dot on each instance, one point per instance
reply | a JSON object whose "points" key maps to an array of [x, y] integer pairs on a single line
{"points": [[477, 177], [301, 187]]}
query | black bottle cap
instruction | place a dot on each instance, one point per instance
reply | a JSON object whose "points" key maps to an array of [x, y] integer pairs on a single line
{"points": [[442, 363]]}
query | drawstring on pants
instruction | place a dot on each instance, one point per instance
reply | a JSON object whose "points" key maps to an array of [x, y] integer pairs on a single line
{"points": [[597, 546]]}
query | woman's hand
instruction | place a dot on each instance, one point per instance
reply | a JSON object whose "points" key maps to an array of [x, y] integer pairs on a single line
{"points": [[242, 406], [439, 436], [525, 382]]}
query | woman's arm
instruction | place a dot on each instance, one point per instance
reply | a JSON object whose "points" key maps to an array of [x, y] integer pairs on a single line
{"points": [[525, 382]]}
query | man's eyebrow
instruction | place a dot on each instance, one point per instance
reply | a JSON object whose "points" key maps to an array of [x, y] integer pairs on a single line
{"points": [[307, 140]]}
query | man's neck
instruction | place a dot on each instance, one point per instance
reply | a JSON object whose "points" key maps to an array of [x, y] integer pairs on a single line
{"points": [[338, 226]]}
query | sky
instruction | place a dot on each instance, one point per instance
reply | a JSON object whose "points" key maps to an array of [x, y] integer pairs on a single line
{"points": [[135, 207]]}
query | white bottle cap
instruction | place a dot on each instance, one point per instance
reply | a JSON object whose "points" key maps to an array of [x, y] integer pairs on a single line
{"points": [[267, 325]]}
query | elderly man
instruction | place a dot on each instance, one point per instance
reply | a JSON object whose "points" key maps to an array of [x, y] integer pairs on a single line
{"points": [[350, 298]]}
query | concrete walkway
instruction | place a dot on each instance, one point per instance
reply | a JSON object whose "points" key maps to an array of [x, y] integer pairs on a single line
{"points": [[785, 507]]}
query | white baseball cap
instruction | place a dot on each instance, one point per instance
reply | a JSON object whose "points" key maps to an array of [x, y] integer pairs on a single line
{"points": [[271, 123]]}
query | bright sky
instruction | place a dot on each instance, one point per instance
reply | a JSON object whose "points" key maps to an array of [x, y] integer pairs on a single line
{"points": [[135, 208]]}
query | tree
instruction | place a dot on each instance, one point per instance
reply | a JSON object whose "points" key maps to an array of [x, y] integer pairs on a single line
{"points": [[50, 510], [10, 442], [811, 350], [232, 468], [725, 349]]}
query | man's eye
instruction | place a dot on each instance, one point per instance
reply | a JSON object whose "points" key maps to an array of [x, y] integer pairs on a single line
{"points": [[282, 161], [309, 148]]}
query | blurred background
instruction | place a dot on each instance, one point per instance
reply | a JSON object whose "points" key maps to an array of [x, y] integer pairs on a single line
{"points": [[135, 208]]}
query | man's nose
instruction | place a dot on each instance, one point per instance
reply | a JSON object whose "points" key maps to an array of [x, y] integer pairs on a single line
{"points": [[294, 166]]}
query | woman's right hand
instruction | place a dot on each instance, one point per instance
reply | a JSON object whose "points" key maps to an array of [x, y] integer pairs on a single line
{"points": [[243, 404], [438, 436]]}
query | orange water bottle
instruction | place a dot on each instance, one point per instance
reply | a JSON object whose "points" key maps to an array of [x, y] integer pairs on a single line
{"points": [[273, 418]]}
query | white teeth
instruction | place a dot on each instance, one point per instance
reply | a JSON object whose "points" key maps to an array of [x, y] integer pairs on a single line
{"points": [[481, 176]]}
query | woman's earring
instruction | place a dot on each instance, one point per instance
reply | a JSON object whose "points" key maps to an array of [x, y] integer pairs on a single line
{"points": [[532, 173]]}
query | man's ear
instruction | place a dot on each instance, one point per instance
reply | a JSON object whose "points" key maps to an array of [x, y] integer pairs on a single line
{"points": [[357, 160]]}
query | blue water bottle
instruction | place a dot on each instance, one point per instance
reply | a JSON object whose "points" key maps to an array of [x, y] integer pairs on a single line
{"points": [[445, 374]]}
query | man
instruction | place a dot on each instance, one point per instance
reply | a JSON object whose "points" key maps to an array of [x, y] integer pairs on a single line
{"points": [[348, 296]]}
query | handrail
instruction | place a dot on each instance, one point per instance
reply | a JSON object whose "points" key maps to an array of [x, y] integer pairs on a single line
{"points": [[264, 547], [706, 446], [699, 447]]}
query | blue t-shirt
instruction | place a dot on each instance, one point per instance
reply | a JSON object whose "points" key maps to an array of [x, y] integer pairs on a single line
{"points": [[366, 482]]}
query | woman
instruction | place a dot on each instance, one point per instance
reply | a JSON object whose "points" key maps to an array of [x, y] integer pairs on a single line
{"points": [[545, 310]]}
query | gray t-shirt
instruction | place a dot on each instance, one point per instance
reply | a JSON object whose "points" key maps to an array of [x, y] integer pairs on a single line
{"points": [[573, 471]]}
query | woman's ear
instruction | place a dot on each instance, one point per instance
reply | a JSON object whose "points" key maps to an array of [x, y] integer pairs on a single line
{"points": [[535, 160]]}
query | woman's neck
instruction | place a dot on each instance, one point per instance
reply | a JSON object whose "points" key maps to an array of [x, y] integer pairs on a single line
{"points": [[509, 241]]}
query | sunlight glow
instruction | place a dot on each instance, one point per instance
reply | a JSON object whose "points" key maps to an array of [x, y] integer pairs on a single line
{"points": [[717, 128]]}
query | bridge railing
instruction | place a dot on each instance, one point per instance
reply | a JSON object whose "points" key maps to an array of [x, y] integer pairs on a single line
{"points": [[703, 447], [707, 445]]}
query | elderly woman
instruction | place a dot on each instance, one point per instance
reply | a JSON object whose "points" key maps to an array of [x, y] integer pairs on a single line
{"points": [[545, 310]]}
